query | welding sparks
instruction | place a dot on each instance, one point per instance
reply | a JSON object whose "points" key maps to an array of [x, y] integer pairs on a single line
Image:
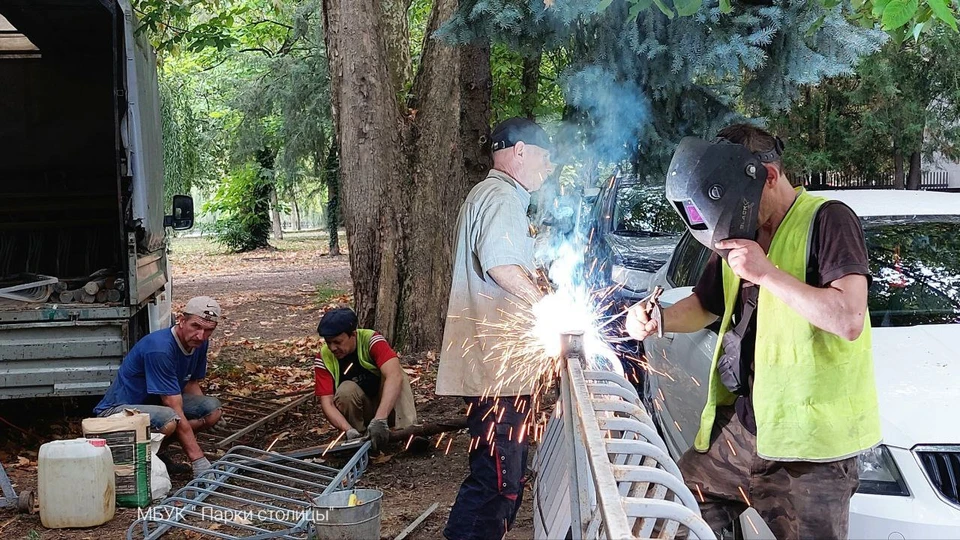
{"points": [[755, 531], [449, 442], [744, 494], [732, 449], [700, 493], [334, 443], [410, 440]]}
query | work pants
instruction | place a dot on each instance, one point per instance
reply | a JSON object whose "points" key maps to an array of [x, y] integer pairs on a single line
{"points": [[796, 499], [490, 496], [358, 408]]}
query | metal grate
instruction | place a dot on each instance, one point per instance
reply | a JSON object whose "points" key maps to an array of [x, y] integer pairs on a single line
{"points": [[942, 465], [250, 493]]}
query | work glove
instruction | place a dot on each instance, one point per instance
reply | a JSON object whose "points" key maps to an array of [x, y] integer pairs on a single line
{"points": [[379, 433], [352, 434], [200, 465]]}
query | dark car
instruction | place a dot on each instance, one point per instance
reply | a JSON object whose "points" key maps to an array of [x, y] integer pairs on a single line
{"points": [[633, 235]]}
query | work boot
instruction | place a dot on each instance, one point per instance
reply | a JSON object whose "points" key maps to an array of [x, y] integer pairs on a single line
{"points": [[174, 467]]}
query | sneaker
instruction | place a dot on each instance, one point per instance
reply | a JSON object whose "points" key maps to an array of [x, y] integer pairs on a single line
{"points": [[174, 467]]}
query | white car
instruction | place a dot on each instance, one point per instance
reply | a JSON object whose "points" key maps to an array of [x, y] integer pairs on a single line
{"points": [[909, 484]]}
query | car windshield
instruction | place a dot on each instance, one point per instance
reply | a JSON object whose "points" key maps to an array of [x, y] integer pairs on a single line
{"points": [[915, 263], [641, 211]]}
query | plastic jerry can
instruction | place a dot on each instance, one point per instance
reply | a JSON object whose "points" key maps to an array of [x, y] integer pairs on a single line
{"points": [[76, 483]]}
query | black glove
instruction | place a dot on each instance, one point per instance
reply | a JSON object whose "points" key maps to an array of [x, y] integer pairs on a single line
{"points": [[379, 433]]}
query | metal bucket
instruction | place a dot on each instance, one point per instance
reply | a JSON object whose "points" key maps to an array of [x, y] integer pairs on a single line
{"points": [[335, 520]]}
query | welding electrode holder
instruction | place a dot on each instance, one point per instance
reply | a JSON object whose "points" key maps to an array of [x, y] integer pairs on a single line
{"points": [[651, 305]]}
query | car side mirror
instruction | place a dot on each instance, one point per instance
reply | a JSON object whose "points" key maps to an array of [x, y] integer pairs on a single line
{"points": [[182, 218], [591, 194]]}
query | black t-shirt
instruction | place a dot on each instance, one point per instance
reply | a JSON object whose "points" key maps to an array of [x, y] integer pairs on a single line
{"points": [[837, 249], [351, 370]]}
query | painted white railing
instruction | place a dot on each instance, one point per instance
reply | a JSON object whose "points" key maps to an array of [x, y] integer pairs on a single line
{"points": [[602, 471]]}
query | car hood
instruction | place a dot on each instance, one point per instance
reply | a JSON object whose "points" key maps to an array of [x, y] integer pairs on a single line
{"points": [[646, 253], [918, 380]]}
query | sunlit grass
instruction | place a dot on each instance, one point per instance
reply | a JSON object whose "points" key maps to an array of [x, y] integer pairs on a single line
{"points": [[191, 247]]}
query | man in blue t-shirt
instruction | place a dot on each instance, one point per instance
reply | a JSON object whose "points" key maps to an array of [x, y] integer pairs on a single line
{"points": [[161, 376]]}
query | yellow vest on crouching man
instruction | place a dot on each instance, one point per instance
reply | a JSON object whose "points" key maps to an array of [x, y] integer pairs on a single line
{"points": [[332, 365], [814, 393]]}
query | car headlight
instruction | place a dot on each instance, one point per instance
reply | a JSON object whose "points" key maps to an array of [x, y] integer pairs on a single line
{"points": [[879, 474]]}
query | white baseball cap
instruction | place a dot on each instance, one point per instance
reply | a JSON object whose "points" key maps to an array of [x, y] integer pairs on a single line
{"points": [[203, 306]]}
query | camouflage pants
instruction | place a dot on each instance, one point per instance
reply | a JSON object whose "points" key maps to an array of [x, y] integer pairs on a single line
{"points": [[797, 499]]}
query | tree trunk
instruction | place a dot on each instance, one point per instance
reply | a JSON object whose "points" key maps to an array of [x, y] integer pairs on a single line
{"points": [[296, 212], [275, 214], [365, 111], [913, 179], [331, 177], [897, 167], [452, 94], [531, 84], [396, 38], [411, 171]]}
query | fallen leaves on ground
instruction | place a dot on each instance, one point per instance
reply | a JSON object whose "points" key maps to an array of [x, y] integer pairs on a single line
{"points": [[382, 458]]}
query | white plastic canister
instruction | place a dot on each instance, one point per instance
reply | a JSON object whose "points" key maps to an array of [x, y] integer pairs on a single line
{"points": [[76, 484]]}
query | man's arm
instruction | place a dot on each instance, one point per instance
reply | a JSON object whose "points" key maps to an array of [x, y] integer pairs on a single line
{"points": [[333, 414], [392, 373], [516, 281], [839, 308], [687, 315], [184, 432]]}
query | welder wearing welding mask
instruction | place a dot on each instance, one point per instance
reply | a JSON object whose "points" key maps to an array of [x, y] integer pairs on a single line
{"points": [[792, 398]]}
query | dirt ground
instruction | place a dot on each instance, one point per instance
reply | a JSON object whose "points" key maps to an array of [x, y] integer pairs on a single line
{"points": [[272, 301]]}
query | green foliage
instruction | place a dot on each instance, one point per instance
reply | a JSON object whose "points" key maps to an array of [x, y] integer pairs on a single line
{"points": [[185, 164], [906, 18], [506, 67], [901, 18], [634, 87], [239, 76], [902, 100], [242, 204], [173, 25]]}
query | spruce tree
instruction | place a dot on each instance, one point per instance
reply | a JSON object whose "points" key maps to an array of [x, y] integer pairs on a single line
{"points": [[638, 81]]}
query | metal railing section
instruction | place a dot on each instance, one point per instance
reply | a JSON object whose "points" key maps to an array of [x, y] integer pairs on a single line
{"points": [[602, 469], [252, 494]]}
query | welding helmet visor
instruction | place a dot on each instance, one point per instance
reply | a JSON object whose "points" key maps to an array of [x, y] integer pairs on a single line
{"points": [[716, 188]]}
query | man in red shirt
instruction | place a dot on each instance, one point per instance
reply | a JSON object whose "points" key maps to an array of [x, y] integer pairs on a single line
{"points": [[361, 385]]}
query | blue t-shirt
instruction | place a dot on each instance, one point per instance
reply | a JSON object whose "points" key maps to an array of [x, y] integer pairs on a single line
{"points": [[154, 367]]}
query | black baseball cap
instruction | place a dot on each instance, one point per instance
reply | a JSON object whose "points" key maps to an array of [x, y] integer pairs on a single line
{"points": [[510, 132], [337, 321]]}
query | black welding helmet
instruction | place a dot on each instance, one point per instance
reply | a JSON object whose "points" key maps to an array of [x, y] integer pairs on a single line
{"points": [[716, 188]]}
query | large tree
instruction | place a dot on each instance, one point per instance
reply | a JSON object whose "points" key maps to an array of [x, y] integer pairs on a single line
{"points": [[899, 109], [405, 166]]}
